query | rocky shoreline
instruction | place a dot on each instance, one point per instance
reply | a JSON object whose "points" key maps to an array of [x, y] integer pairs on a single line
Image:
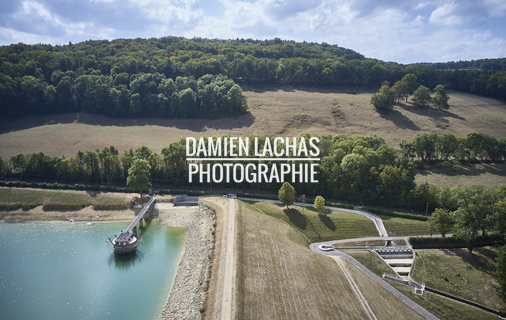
{"points": [[188, 293]]}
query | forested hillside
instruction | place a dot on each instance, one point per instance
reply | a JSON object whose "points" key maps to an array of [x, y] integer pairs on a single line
{"points": [[177, 77], [480, 64]]}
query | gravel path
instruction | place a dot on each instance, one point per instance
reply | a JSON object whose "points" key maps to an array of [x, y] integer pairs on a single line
{"points": [[188, 292]]}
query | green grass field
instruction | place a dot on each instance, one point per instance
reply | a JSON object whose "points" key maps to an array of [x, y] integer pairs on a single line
{"points": [[470, 276], [405, 227], [333, 226]]}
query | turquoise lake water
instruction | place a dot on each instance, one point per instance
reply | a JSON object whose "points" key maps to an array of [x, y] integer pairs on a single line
{"points": [[67, 271]]}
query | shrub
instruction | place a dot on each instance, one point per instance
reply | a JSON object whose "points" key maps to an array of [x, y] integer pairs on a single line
{"points": [[10, 206], [437, 243], [63, 206], [111, 206]]}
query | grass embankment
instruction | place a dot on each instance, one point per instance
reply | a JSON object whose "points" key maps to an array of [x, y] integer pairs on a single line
{"points": [[330, 226], [470, 278], [23, 204], [280, 278], [405, 227]]}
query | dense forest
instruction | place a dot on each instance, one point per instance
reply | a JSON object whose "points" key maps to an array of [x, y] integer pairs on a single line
{"points": [[178, 77], [480, 64]]}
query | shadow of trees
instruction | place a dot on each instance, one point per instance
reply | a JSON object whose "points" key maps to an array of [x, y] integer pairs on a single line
{"points": [[327, 222], [193, 124], [297, 218], [399, 119]]}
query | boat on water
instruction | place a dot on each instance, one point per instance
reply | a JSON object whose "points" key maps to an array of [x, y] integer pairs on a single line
{"points": [[125, 242]]}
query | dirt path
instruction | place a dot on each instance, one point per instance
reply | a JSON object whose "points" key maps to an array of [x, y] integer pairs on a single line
{"points": [[227, 305], [221, 299], [355, 288]]}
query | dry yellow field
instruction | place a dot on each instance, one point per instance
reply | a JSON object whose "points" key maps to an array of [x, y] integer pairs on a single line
{"points": [[282, 111]]}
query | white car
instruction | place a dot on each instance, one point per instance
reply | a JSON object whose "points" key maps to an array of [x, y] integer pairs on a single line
{"points": [[326, 247]]}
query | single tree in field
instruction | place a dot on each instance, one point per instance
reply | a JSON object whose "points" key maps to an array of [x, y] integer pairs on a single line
{"points": [[441, 98], [319, 204], [384, 99], [410, 80], [442, 221], [421, 97], [402, 91], [138, 176], [286, 194]]}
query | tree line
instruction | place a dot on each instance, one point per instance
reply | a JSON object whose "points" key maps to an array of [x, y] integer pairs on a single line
{"points": [[45, 78], [121, 95], [479, 64], [360, 169], [429, 146]]}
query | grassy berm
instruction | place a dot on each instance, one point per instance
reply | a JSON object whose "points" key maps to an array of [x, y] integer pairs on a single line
{"points": [[332, 225], [280, 278]]}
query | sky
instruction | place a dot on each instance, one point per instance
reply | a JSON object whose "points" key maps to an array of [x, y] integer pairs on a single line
{"points": [[403, 31]]}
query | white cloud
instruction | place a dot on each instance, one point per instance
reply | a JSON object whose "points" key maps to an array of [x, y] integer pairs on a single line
{"points": [[15, 36], [169, 11], [446, 15], [30, 8]]}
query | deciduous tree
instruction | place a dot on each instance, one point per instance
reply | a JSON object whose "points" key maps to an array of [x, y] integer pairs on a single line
{"points": [[319, 204], [384, 99], [286, 194], [500, 271], [442, 221], [441, 98], [402, 90], [421, 97], [138, 176], [411, 82]]}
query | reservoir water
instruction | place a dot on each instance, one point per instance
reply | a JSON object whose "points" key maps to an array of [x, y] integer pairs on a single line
{"points": [[67, 271]]}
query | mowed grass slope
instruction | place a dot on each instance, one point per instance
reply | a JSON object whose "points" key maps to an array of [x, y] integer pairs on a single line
{"points": [[280, 278], [405, 227], [470, 276], [319, 227]]}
